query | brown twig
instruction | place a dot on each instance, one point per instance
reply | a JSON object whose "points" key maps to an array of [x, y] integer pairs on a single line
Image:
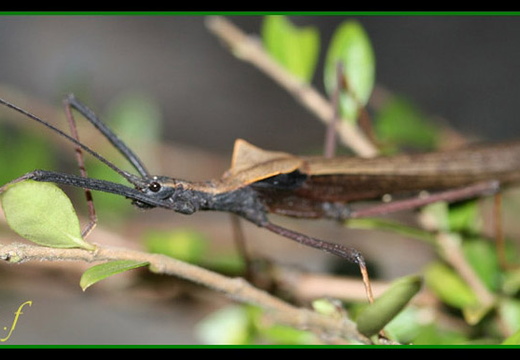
{"points": [[236, 288]]}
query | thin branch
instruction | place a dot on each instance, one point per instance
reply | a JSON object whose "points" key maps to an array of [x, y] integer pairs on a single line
{"points": [[249, 49], [236, 288]]}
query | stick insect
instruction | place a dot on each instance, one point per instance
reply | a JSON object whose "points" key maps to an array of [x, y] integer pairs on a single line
{"points": [[261, 182]]}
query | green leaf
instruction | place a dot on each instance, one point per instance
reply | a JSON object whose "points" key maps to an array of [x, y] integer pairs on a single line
{"points": [[326, 307], [102, 271], [449, 286], [465, 217], [399, 123], [296, 49], [454, 291], [350, 46], [481, 255], [227, 326], [42, 213], [510, 315], [375, 316], [511, 282], [263, 331], [435, 334]]}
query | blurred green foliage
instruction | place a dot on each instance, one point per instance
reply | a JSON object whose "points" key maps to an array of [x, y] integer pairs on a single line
{"points": [[296, 49]]}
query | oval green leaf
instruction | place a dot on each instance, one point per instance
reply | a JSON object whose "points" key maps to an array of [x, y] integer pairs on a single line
{"points": [[296, 49], [42, 213], [102, 271], [350, 46], [375, 316], [449, 286], [481, 255], [401, 124]]}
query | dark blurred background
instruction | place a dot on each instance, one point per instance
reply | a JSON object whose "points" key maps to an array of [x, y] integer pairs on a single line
{"points": [[462, 69]]}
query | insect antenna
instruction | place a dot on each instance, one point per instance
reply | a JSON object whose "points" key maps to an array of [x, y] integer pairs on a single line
{"points": [[133, 179], [109, 135]]}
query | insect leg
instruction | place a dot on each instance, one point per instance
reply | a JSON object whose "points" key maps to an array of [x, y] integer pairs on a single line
{"points": [[240, 244], [349, 254], [467, 192], [81, 163]]}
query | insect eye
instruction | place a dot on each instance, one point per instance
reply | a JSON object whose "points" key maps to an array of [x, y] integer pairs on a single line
{"points": [[155, 186]]}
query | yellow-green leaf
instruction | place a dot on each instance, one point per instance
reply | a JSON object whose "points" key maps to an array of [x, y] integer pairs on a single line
{"points": [[42, 213], [449, 286], [296, 49], [227, 326], [102, 271], [401, 124], [351, 46]]}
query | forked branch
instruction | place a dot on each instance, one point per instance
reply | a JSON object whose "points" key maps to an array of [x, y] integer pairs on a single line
{"points": [[235, 288]]}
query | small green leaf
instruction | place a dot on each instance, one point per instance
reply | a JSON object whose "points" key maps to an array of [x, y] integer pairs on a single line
{"points": [[227, 326], [350, 46], [448, 286], [481, 255], [42, 213], [465, 217], [399, 123], [510, 314], [435, 333], [102, 271], [511, 283], [375, 316], [296, 49], [326, 307]]}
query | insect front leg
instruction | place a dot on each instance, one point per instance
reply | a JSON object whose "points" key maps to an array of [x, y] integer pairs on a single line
{"points": [[83, 171]]}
